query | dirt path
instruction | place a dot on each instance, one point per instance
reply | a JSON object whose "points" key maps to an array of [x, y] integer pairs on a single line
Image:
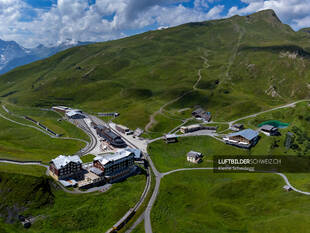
{"points": [[235, 51], [269, 110], [152, 117], [152, 120]]}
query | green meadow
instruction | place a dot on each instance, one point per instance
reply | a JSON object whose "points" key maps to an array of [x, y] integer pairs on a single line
{"points": [[298, 118], [172, 156], [203, 201], [58, 211], [52, 120], [24, 143]]}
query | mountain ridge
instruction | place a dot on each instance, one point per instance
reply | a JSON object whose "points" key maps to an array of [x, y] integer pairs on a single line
{"points": [[13, 55], [254, 62]]}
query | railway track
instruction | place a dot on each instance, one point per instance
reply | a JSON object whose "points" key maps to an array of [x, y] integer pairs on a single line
{"points": [[93, 140]]}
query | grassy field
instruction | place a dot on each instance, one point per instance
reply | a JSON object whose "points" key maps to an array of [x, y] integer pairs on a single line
{"points": [[201, 201], [22, 169], [24, 143], [167, 157], [298, 118], [299, 180], [50, 119], [139, 228], [62, 212], [20, 193]]}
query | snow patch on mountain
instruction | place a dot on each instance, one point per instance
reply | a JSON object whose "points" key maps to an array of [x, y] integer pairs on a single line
{"points": [[13, 55]]}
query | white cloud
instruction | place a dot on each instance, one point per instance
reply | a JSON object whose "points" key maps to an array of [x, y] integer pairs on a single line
{"points": [[201, 4], [215, 12], [302, 23], [111, 19], [101, 21]]}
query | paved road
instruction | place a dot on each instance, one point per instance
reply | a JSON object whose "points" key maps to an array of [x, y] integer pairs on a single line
{"points": [[292, 187], [23, 163], [210, 133], [179, 126], [26, 163], [269, 110], [146, 214], [158, 175], [133, 143], [136, 223], [186, 169]]}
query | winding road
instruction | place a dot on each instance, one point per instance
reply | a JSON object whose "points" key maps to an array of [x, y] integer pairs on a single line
{"points": [[269, 110], [159, 176]]}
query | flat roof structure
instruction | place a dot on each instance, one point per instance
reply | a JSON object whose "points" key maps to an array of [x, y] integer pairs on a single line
{"points": [[121, 154], [73, 113], [68, 183], [91, 176], [96, 171], [137, 152]]}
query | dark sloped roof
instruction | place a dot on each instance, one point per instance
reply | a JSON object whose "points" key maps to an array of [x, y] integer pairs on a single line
{"points": [[268, 127]]}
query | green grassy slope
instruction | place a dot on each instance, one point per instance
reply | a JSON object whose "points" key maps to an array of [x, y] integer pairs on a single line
{"points": [[298, 118], [168, 157], [50, 119], [35, 170], [59, 211], [23, 143], [21, 193], [198, 201], [255, 62], [172, 156]]}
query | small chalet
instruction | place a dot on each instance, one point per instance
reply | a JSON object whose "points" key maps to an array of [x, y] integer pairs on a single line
{"points": [[287, 188], [269, 130], [200, 113], [171, 138], [237, 127], [194, 157], [191, 128]]}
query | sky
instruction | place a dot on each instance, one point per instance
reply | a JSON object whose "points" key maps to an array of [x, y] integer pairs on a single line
{"points": [[51, 22]]}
